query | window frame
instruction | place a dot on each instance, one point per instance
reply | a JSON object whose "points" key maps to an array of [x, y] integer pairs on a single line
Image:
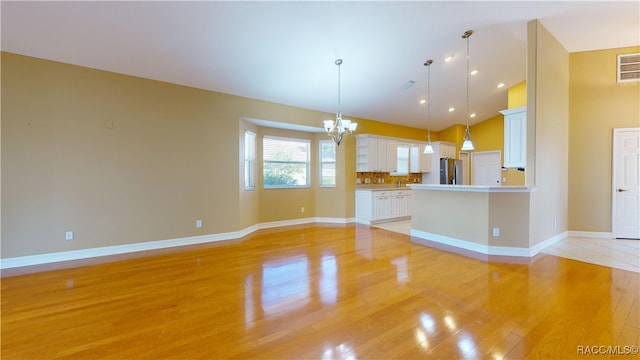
{"points": [[307, 162], [250, 160], [321, 163]]}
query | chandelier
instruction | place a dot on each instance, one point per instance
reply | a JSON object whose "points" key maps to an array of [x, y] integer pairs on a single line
{"points": [[466, 143], [339, 127], [428, 149]]}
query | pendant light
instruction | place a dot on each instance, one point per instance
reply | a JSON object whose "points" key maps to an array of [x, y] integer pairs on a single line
{"points": [[340, 127], [466, 143], [428, 149]]}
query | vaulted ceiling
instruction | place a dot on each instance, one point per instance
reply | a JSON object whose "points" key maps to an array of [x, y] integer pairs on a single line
{"points": [[284, 52]]}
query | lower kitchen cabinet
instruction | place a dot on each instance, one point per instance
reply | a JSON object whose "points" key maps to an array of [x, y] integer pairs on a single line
{"points": [[376, 206]]}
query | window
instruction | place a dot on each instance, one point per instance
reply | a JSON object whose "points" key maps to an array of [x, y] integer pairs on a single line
{"points": [[286, 162], [249, 160], [402, 156], [327, 163]]}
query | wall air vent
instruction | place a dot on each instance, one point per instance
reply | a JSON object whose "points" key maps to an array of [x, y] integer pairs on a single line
{"points": [[628, 67]]}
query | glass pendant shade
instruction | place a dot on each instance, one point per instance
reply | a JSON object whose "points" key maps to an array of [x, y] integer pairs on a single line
{"points": [[428, 149], [467, 145]]}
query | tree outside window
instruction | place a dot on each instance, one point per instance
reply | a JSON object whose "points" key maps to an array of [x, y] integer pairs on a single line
{"points": [[285, 162]]}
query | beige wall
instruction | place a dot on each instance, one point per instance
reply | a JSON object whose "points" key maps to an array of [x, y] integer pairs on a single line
{"points": [[457, 214], [149, 177], [173, 155], [471, 216], [510, 213], [547, 133], [598, 104]]}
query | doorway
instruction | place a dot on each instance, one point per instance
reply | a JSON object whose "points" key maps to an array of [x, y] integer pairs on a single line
{"points": [[487, 168], [466, 169], [625, 218]]}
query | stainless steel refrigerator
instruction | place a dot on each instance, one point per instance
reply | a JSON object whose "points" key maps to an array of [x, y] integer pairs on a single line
{"points": [[450, 171]]}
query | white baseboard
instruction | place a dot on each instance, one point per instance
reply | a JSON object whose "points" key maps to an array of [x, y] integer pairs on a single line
{"points": [[535, 249], [488, 249], [591, 234], [41, 259]]}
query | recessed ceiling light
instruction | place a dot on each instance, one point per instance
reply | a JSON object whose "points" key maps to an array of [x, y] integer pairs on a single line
{"points": [[422, 101], [451, 109], [448, 58], [500, 85], [472, 115], [473, 72]]}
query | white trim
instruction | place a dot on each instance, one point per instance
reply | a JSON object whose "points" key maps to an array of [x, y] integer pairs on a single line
{"points": [[535, 249], [335, 220], [591, 234], [614, 181], [488, 249], [40, 259]]}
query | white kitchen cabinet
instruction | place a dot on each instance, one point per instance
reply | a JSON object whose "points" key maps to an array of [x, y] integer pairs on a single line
{"points": [[515, 137], [366, 153], [375, 206], [419, 162], [400, 201], [381, 205], [387, 155], [447, 150], [375, 154]]}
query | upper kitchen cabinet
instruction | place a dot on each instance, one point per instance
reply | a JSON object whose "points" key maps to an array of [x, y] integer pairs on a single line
{"points": [[375, 154], [515, 137], [447, 150]]}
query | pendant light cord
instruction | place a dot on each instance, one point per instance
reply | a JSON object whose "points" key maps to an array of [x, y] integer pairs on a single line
{"points": [[428, 65], [468, 114]]}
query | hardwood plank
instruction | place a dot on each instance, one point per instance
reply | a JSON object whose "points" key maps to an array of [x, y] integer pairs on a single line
{"points": [[318, 291]]}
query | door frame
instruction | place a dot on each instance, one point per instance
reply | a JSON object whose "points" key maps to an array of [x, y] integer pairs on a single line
{"points": [[465, 156], [614, 150]]}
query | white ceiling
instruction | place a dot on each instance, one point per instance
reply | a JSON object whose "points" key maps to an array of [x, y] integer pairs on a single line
{"points": [[284, 52]]}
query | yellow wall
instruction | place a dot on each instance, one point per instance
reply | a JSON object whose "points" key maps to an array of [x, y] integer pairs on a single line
{"points": [[385, 129], [517, 95], [598, 105]]}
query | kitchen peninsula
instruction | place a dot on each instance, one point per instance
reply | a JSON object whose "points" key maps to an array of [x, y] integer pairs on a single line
{"points": [[492, 220]]}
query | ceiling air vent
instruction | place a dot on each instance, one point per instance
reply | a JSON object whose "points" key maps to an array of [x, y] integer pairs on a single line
{"points": [[628, 67]]}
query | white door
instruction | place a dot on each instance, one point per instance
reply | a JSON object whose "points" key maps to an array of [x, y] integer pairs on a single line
{"points": [[626, 183], [486, 168]]}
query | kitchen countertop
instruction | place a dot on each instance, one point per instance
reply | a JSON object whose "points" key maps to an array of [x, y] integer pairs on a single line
{"points": [[471, 188], [383, 187]]}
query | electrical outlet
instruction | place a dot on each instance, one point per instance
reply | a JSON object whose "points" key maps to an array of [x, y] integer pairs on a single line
{"points": [[68, 235], [302, 209], [198, 223], [496, 232]]}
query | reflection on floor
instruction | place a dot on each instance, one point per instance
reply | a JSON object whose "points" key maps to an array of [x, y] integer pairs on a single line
{"points": [[615, 253]]}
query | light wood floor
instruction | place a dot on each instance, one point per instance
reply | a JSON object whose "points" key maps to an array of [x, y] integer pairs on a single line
{"points": [[321, 292], [616, 253]]}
